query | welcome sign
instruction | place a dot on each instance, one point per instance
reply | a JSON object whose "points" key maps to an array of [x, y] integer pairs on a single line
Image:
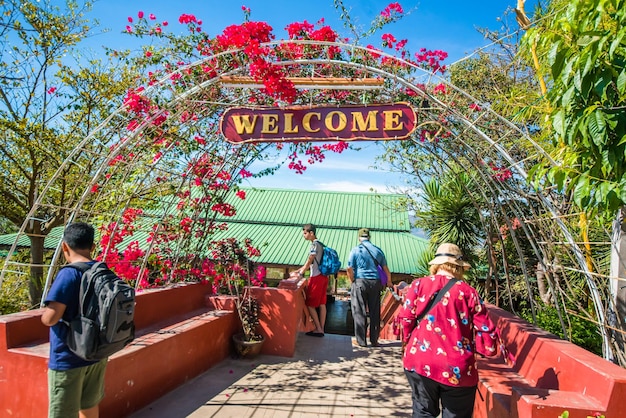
{"points": [[321, 123]]}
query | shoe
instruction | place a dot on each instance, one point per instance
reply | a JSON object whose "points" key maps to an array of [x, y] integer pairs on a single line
{"points": [[355, 343], [376, 344]]}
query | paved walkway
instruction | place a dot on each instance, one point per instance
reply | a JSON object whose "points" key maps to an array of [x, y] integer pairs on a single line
{"points": [[327, 377]]}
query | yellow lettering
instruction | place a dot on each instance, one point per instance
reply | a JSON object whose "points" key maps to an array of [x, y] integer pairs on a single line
{"points": [[360, 124], [269, 124], [392, 120], [306, 121], [243, 123], [342, 121], [289, 128]]}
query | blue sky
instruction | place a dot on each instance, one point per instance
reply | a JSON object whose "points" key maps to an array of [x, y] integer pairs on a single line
{"points": [[449, 25]]}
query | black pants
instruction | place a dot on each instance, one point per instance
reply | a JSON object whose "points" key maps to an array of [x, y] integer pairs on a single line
{"points": [[364, 296], [456, 402]]}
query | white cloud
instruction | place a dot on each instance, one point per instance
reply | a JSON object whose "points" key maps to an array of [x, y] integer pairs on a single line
{"points": [[350, 186]]}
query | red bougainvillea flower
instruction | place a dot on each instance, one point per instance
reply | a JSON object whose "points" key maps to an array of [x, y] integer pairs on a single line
{"points": [[51, 90], [388, 40], [391, 8]]}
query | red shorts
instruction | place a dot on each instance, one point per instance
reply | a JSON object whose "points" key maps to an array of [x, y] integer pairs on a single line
{"points": [[316, 291]]}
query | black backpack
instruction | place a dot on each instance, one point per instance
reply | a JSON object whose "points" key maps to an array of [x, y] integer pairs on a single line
{"points": [[105, 320]]}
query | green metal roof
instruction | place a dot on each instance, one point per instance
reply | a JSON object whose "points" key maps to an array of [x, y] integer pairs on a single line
{"points": [[285, 244], [50, 242], [323, 209], [273, 219]]}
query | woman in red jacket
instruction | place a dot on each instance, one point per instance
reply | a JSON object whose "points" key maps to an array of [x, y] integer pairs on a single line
{"points": [[440, 343]]}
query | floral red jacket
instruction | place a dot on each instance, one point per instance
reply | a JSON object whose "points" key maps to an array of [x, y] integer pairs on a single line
{"points": [[442, 346]]}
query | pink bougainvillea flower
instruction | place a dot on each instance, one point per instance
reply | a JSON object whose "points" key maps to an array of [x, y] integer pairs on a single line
{"points": [[51, 90], [129, 29], [241, 194], [95, 188], [130, 19], [140, 15], [475, 107], [148, 54], [165, 23], [152, 16]]}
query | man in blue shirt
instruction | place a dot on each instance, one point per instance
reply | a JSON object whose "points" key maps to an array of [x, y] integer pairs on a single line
{"points": [[366, 287], [75, 386]]}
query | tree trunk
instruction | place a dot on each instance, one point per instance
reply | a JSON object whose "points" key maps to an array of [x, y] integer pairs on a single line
{"points": [[542, 284], [35, 286], [617, 307]]}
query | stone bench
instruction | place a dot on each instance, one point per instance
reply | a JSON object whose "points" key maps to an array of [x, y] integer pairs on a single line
{"points": [[181, 332], [178, 337], [539, 375]]}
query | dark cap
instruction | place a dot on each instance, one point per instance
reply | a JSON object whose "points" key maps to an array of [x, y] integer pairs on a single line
{"points": [[364, 233]]}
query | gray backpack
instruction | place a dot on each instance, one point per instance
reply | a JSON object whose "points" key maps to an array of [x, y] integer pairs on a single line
{"points": [[105, 320]]}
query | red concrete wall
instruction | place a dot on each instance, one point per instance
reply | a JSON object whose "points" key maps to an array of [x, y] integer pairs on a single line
{"points": [[194, 340], [547, 377], [191, 338], [280, 318], [159, 363]]}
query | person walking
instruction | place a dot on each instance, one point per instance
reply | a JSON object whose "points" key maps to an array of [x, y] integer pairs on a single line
{"points": [[439, 340], [75, 386], [317, 284], [366, 287]]}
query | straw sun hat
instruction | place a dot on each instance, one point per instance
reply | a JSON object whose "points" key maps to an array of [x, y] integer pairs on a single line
{"points": [[449, 253]]}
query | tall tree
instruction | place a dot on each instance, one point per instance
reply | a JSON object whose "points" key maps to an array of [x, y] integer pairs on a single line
{"points": [[578, 50], [50, 99]]}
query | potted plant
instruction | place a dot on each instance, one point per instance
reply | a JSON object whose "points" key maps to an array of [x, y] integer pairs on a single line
{"points": [[241, 275], [249, 341]]}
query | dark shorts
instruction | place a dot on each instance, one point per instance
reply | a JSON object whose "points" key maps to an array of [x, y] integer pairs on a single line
{"points": [[316, 291]]}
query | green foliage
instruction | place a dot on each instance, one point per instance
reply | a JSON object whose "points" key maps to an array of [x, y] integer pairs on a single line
{"points": [[51, 98], [449, 213], [581, 332], [581, 43], [14, 294]]}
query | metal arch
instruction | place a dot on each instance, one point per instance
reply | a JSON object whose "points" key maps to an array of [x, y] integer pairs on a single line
{"points": [[161, 87]]}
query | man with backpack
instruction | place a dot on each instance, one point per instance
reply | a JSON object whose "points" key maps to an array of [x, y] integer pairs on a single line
{"points": [[367, 283], [317, 285], [75, 385]]}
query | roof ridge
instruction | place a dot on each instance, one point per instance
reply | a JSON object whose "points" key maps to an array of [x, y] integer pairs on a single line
{"points": [[321, 191]]}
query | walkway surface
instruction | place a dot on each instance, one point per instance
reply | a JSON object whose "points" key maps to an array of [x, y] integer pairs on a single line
{"points": [[327, 377]]}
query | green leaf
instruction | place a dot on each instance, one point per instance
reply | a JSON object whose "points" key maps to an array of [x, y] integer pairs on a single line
{"points": [[558, 122], [556, 58], [581, 190], [621, 82], [601, 84], [597, 128]]}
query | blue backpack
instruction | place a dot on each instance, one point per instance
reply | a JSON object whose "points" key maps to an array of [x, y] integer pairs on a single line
{"points": [[330, 262]]}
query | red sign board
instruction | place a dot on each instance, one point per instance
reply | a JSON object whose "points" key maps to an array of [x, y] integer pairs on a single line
{"points": [[320, 123]]}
